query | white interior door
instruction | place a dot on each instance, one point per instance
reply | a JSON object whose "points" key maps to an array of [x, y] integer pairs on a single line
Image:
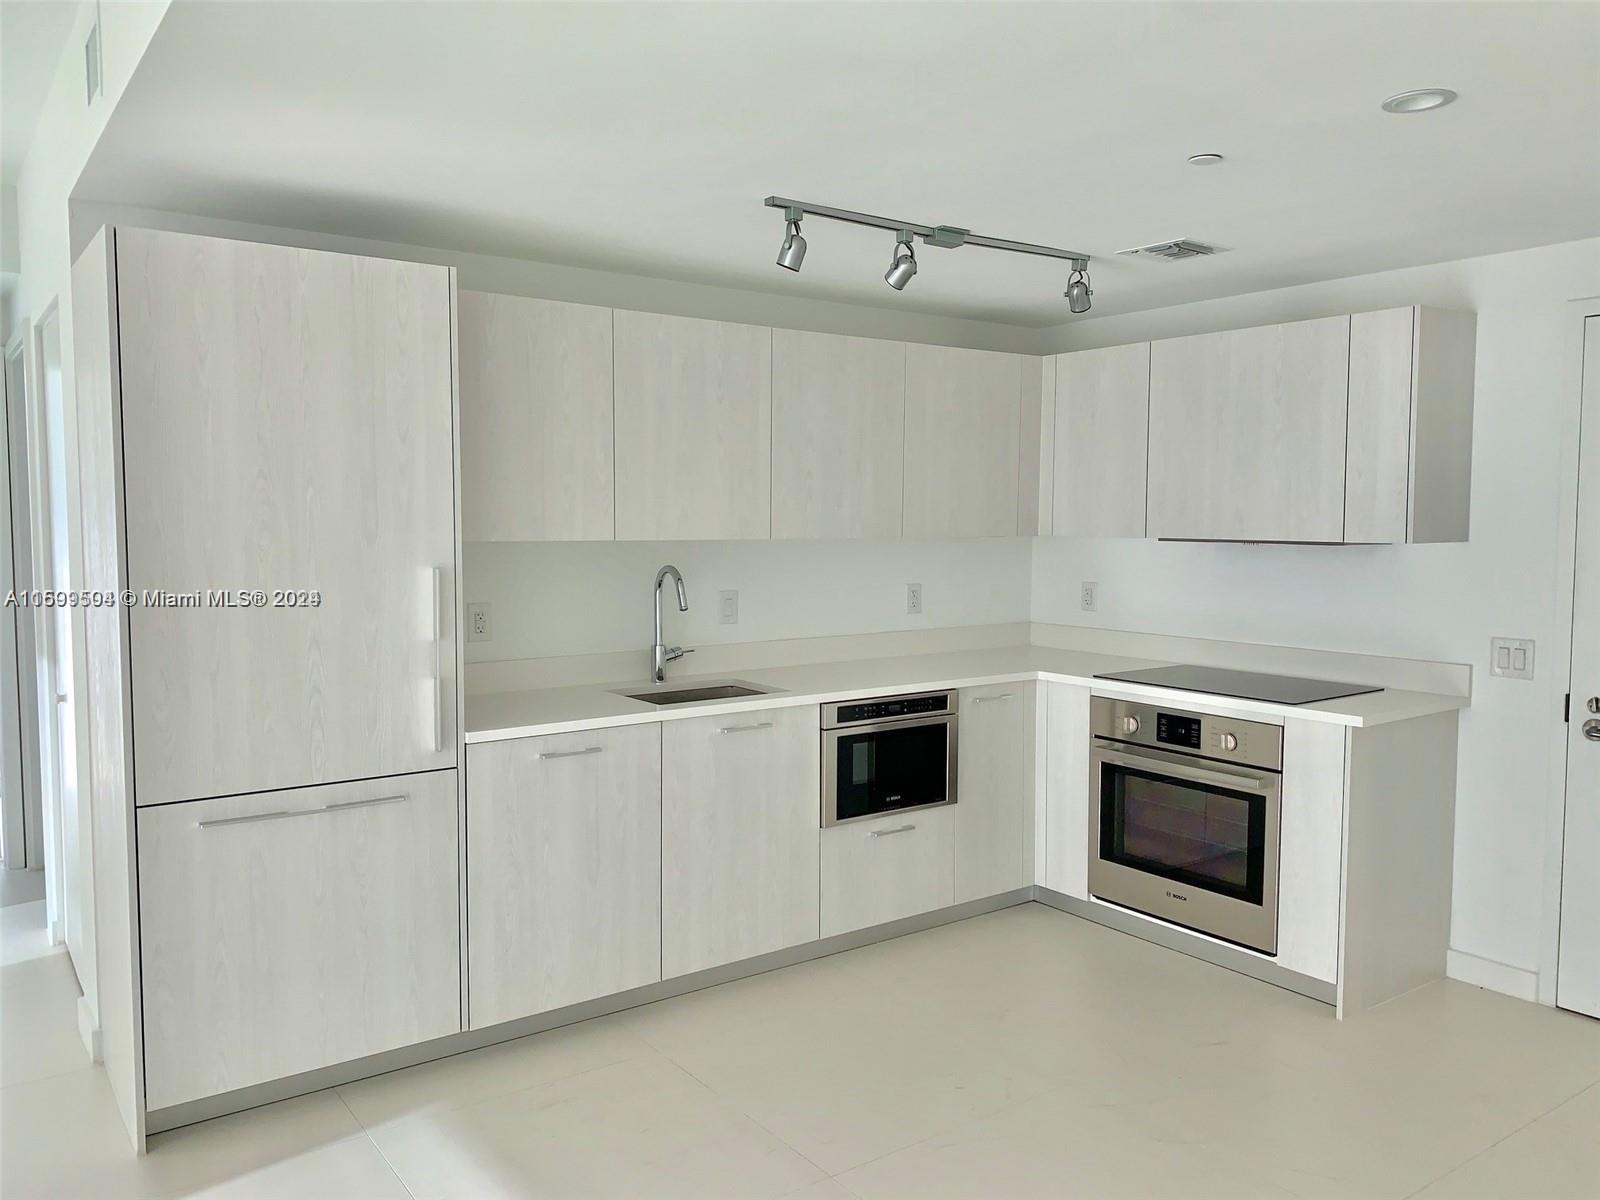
{"points": [[21, 700], [1578, 967], [13, 817]]}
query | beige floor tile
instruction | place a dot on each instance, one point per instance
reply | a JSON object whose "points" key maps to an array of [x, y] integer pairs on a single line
{"points": [[349, 1170], [1060, 1147], [493, 1071], [823, 1189], [639, 1128], [1557, 1157], [63, 1138], [24, 931], [39, 1019]]}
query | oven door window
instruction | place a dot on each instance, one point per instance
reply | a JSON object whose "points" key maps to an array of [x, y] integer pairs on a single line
{"points": [[1192, 833], [883, 770]]}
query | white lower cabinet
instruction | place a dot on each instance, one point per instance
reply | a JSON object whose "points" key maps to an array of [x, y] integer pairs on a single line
{"points": [[1066, 789], [285, 931], [994, 790], [563, 869], [1311, 844], [887, 868], [739, 836]]}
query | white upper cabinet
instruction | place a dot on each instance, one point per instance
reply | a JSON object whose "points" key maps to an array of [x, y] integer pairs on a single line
{"points": [[1102, 422], [1247, 433], [963, 441], [535, 420], [693, 411], [838, 435], [286, 424], [1409, 457]]}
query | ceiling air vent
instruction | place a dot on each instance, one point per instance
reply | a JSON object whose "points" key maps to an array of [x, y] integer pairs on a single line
{"points": [[1173, 251]]}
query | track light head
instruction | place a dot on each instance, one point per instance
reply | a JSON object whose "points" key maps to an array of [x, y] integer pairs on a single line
{"points": [[904, 263], [1078, 292], [793, 252]]}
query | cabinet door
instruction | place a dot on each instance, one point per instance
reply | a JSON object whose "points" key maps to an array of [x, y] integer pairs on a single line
{"points": [[1066, 859], [740, 824], [281, 932], [535, 420], [994, 792], [563, 869], [887, 868], [286, 425], [838, 435], [1102, 424], [693, 428], [963, 442], [1247, 433]]}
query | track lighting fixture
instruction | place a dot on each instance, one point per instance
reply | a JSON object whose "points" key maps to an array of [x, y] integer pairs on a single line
{"points": [[1078, 292], [904, 263], [903, 266], [793, 252]]}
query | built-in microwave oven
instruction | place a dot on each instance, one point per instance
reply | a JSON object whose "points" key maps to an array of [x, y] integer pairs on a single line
{"points": [[888, 754], [1184, 811]]}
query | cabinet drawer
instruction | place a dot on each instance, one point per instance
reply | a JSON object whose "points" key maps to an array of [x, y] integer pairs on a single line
{"points": [[563, 869], [286, 931], [887, 868]]}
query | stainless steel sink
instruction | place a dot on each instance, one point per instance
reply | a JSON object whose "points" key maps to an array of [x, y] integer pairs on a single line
{"points": [[729, 690]]}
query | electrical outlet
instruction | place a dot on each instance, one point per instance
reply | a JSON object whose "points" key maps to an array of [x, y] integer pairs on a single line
{"points": [[914, 598], [1511, 658], [478, 623], [728, 608], [1087, 593]]}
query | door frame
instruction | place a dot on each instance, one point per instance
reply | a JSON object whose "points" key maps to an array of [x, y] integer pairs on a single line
{"points": [[19, 837], [1577, 315]]}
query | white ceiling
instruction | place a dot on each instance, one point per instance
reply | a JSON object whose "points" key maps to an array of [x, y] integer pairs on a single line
{"points": [[33, 34], [644, 137]]}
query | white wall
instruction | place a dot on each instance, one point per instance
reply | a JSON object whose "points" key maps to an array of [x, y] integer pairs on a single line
{"points": [[1435, 602], [558, 598]]}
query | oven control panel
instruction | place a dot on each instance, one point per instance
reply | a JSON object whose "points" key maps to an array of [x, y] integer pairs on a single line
{"points": [[1228, 739], [888, 708]]}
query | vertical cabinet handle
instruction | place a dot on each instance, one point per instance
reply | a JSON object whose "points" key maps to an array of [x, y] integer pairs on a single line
{"points": [[438, 660]]}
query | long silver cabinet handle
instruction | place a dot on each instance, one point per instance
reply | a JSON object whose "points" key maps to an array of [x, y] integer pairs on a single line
{"points": [[438, 660], [573, 753], [745, 728], [887, 832], [987, 699], [281, 813]]}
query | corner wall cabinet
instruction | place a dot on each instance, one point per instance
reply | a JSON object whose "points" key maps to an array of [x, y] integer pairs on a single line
{"points": [[1343, 429], [269, 442], [1102, 430]]}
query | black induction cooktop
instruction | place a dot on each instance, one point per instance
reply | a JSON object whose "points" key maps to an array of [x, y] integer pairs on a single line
{"points": [[1242, 685]]}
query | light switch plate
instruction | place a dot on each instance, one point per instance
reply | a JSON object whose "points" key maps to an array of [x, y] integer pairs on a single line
{"points": [[1511, 658], [913, 598], [478, 623], [1087, 594], [728, 608]]}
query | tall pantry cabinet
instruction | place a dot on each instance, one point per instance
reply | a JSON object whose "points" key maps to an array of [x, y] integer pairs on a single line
{"points": [[269, 468]]}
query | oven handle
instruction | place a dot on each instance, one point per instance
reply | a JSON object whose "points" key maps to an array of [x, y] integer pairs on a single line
{"points": [[1183, 771]]}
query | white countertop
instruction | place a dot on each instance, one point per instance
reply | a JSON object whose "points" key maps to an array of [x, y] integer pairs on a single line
{"points": [[496, 716]]}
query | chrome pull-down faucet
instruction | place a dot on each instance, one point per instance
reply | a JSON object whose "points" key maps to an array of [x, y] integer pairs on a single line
{"points": [[660, 654]]}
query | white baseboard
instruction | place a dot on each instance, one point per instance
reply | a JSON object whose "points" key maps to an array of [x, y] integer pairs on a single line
{"points": [[88, 1030], [1496, 976]]}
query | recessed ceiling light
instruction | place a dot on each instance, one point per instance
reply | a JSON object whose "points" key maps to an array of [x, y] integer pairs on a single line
{"points": [[1205, 160], [1421, 100]]}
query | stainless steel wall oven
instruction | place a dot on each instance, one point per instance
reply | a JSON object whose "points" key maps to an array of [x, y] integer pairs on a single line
{"points": [[1184, 816]]}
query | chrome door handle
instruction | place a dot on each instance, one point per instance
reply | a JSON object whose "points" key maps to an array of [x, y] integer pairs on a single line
{"points": [[1591, 730], [280, 813], [745, 728], [572, 753], [887, 832]]}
